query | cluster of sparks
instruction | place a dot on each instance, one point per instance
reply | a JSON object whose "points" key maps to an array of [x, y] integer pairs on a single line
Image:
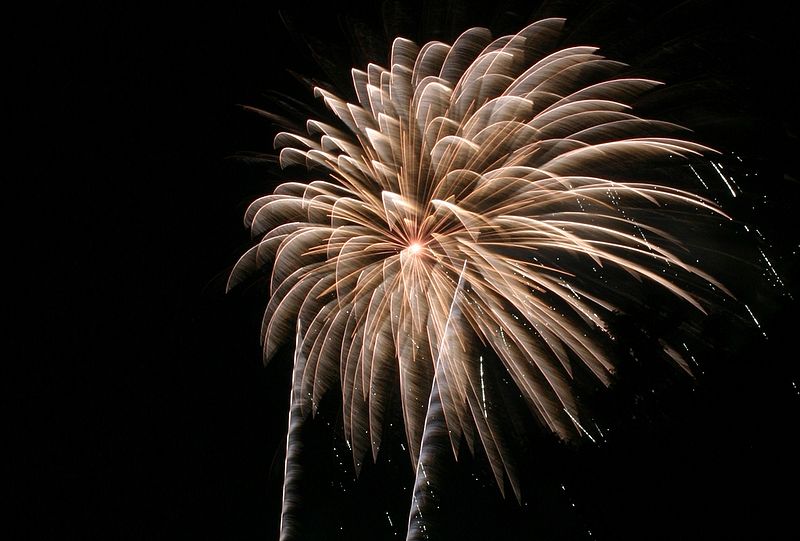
{"points": [[464, 205]]}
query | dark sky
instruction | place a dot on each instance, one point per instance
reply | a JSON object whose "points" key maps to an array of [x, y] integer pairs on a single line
{"points": [[145, 412]]}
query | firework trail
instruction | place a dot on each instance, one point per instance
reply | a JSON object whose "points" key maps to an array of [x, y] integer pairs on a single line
{"points": [[294, 446], [434, 432], [511, 159]]}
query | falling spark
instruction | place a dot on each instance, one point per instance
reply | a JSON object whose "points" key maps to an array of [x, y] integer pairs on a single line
{"points": [[600, 431], [699, 177], [755, 320], [690, 355], [725, 180], [574, 420], [752, 316], [769, 263], [483, 388]]}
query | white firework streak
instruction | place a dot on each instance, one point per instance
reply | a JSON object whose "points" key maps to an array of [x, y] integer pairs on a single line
{"points": [[504, 157], [434, 433], [294, 447]]}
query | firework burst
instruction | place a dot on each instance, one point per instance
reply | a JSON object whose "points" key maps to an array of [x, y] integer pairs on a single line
{"points": [[468, 204]]}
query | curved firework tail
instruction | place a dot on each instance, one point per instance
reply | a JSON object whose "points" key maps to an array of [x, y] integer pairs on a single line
{"points": [[509, 159]]}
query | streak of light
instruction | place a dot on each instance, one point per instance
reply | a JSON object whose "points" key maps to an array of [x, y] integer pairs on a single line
{"points": [[580, 426], [725, 180], [699, 177], [755, 321]]}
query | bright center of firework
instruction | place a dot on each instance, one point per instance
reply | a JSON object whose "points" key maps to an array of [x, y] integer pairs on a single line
{"points": [[414, 248]]}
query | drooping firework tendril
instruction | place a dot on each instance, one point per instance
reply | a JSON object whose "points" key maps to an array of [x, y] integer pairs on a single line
{"points": [[508, 162]]}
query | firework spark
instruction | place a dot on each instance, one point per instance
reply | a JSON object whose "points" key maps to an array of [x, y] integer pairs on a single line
{"points": [[508, 163]]}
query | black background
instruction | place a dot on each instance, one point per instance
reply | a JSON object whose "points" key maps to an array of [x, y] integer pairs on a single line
{"points": [[145, 412]]}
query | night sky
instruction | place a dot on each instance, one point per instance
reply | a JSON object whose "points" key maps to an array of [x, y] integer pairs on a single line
{"points": [[145, 412]]}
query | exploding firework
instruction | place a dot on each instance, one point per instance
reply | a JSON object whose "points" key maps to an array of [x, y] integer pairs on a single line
{"points": [[467, 209]]}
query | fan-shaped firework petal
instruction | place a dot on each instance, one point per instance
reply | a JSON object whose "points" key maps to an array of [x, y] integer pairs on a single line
{"points": [[504, 159]]}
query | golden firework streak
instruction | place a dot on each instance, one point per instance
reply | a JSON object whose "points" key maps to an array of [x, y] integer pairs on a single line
{"points": [[510, 159]]}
